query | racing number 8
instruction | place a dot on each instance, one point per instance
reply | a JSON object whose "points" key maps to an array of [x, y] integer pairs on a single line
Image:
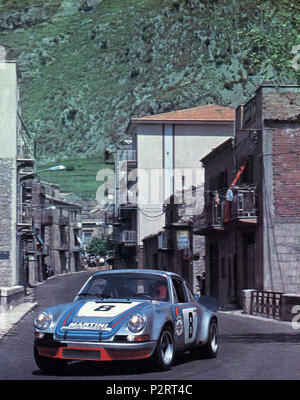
{"points": [[190, 325]]}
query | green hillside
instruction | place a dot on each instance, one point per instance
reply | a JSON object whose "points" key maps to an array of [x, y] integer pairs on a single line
{"points": [[86, 67]]}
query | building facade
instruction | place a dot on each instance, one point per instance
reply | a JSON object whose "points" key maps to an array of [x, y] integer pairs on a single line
{"points": [[53, 232], [16, 156], [176, 247], [166, 156], [252, 184]]}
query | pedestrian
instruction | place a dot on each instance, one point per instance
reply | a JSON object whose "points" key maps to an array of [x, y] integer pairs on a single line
{"points": [[49, 271]]}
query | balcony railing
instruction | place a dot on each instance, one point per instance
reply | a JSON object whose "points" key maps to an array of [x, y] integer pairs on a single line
{"points": [[128, 198], [25, 214], [242, 208], [162, 241], [63, 220], [129, 236], [127, 155], [25, 150]]}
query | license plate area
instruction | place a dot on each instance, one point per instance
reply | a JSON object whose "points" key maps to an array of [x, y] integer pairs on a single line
{"points": [[81, 354]]}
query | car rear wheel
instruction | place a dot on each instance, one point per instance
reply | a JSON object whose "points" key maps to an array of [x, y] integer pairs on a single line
{"points": [[47, 364], [164, 353], [211, 347]]}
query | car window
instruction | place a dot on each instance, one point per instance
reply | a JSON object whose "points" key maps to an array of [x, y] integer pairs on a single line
{"points": [[126, 286], [180, 291], [189, 293]]}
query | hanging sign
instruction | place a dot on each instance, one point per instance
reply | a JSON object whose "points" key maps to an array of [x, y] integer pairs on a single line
{"points": [[183, 241]]}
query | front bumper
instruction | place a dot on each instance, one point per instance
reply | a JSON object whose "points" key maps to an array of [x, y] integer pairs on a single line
{"points": [[102, 351]]}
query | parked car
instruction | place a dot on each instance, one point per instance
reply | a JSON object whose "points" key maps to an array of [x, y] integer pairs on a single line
{"points": [[126, 315]]}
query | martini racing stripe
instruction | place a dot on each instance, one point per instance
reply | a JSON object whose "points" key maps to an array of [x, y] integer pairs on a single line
{"points": [[63, 333]]}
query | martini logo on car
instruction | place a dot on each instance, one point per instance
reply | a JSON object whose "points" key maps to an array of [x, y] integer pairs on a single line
{"points": [[88, 325], [179, 326]]}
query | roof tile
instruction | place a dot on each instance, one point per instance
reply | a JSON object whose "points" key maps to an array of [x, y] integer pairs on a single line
{"points": [[210, 112]]}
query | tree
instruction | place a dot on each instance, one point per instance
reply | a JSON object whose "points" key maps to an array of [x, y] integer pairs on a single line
{"points": [[98, 246]]}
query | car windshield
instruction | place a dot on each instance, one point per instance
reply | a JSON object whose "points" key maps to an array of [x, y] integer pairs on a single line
{"points": [[127, 286]]}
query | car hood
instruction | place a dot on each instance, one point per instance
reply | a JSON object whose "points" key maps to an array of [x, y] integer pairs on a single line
{"points": [[94, 319]]}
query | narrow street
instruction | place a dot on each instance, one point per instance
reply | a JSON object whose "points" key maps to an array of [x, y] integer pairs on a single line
{"points": [[250, 349]]}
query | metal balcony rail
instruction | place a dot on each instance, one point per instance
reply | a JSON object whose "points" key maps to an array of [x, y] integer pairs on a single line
{"points": [[63, 220], [25, 150], [266, 303], [129, 236], [244, 203], [128, 198], [242, 206], [127, 155], [25, 214], [162, 241]]}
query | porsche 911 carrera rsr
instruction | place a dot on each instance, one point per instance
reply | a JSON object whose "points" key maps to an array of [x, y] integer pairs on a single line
{"points": [[126, 315]]}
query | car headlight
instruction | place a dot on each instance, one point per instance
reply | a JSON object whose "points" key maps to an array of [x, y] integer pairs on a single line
{"points": [[43, 320], [137, 322]]}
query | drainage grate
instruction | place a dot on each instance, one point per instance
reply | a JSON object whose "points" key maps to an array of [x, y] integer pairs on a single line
{"points": [[82, 354]]}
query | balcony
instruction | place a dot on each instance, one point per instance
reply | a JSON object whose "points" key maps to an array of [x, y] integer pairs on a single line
{"points": [[25, 152], [63, 220], [128, 199], [218, 212], [243, 208], [162, 241], [129, 238], [127, 155], [25, 214]]}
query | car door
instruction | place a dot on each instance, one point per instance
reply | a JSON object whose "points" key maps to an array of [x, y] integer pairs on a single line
{"points": [[185, 314]]}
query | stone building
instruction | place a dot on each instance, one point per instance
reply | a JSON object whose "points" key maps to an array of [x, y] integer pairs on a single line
{"points": [[252, 209], [57, 230], [177, 247], [16, 156]]}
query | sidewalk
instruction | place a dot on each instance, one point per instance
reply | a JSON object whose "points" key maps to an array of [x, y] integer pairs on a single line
{"points": [[240, 313], [12, 317]]}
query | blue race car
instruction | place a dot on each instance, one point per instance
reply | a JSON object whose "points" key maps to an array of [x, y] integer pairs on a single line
{"points": [[126, 315]]}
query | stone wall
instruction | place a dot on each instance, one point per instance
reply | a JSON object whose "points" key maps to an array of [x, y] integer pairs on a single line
{"points": [[6, 221]]}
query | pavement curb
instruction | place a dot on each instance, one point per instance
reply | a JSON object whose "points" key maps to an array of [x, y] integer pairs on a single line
{"points": [[13, 316], [240, 313]]}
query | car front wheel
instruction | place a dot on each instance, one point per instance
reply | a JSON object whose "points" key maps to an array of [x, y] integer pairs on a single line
{"points": [[47, 364], [164, 353]]}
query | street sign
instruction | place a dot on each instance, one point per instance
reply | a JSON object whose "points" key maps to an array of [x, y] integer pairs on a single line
{"points": [[183, 241], [4, 255]]}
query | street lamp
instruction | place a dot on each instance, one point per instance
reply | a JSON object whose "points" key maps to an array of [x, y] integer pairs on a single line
{"points": [[33, 174]]}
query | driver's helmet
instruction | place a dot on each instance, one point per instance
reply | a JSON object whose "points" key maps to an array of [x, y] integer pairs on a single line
{"points": [[160, 292]]}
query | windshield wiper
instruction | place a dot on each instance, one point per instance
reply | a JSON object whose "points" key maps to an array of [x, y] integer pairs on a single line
{"points": [[89, 294], [105, 296]]}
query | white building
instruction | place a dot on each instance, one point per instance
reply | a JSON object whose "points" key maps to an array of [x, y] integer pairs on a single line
{"points": [[168, 149]]}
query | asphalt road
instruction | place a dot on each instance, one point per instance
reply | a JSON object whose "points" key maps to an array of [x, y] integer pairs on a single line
{"points": [[250, 349]]}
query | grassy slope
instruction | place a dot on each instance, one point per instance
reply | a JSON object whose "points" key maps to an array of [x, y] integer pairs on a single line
{"points": [[79, 177], [84, 75]]}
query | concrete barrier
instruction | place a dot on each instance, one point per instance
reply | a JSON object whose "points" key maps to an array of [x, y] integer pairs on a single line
{"points": [[288, 309], [247, 300], [11, 297]]}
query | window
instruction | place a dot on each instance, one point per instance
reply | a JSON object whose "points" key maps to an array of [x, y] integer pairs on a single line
{"points": [[127, 286], [190, 294], [180, 291], [87, 237], [247, 176]]}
